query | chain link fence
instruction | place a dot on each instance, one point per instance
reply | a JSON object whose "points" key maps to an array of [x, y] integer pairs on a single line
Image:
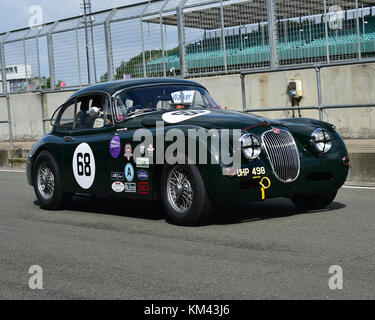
{"points": [[187, 38]]}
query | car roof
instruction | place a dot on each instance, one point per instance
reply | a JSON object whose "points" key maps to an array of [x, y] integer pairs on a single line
{"points": [[114, 86]]}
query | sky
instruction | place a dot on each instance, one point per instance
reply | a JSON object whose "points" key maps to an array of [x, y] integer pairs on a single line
{"points": [[14, 14]]}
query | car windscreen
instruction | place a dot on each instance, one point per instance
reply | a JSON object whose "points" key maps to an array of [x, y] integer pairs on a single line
{"points": [[137, 101]]}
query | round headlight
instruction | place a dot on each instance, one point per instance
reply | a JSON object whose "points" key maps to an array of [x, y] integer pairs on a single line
{"points": [[251, 147], [321, 140]]}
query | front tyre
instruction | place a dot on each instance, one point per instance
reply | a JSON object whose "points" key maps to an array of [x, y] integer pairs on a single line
{"points": [[47, 183], [313, 201], [184, 195]]}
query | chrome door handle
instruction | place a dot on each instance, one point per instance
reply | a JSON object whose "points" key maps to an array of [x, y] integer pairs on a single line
{"points": [[69, 139]]}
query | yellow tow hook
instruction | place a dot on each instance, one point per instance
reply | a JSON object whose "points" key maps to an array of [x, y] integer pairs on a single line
{"points": [[264, 187]]}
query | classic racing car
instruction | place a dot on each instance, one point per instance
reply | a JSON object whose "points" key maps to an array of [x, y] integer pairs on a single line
{"points": [[139, 139]]}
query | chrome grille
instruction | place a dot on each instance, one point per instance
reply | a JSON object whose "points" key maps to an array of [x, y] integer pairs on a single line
{"points": [[282, 153]]}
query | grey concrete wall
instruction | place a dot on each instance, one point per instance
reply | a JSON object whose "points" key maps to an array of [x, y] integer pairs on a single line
{"points": [[340, 85], [352, 84], [26, 114]]}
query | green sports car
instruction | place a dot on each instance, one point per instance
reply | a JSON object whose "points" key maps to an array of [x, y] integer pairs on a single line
{"points": [[167, 139]]}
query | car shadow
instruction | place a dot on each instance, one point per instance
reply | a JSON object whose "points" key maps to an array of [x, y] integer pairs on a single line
{"points": [[153, 210], [269, 209]]}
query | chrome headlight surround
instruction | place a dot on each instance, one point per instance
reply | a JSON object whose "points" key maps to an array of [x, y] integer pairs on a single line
{"points": [[251, 146], [321, 140]]}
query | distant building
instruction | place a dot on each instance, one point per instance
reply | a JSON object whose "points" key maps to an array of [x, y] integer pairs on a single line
{"points": [[18, 78]]}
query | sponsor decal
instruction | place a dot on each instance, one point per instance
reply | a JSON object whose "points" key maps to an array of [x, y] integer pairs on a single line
{"points": [[143, 162], [130, 187], [118, 186], [118, 176], [142, 175], [150, 150], [115, 147], [143, 188], [276, 130], [186, 96], [129, 172], [84, 166], [128, 154], [183, 115]]}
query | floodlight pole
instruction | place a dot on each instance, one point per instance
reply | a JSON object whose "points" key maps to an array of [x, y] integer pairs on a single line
{"points": [[86, 40], [272, 34]]}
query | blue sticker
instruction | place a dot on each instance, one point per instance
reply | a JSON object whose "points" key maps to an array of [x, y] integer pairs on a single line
{"points": [[129, 172], [142, 175]]}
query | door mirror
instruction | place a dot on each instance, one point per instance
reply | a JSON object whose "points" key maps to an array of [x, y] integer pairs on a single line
{"points": [[94, 112]]}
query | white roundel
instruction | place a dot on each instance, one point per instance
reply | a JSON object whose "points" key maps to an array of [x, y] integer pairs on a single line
{"points": [[183, 115], [84, 166], [118, 186]]}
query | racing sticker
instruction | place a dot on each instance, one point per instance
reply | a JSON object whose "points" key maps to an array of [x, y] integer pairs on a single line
{"points": [[129, 172], [118, 186], [130, 187], [143, 188], [183, 115], [143, 162], [115, 147], [118, 176], [84, 166], [142, 175], [128, 151]]}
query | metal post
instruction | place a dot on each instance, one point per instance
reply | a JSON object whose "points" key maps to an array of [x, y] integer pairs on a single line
{"points": [[223, 35], [78, 58], [358, 31], [5, 92], [25, 59], [43, 112], [51, 62], [162, 37], [108, 45], [272, 34], [181, 40], [243, 89], [86, 41], [143, 41], [319, 87], [326, 29], [38, 59]]}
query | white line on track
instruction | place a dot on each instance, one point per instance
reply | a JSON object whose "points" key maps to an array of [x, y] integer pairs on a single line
{"points": [[353, 187], [16, 171]]}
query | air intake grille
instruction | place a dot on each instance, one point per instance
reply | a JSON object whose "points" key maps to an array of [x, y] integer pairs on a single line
{"points": [[282, 152]]}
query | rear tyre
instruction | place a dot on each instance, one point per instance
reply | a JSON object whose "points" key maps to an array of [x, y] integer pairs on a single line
{"points": [[184, 195], [47, 183], [313, 201]]}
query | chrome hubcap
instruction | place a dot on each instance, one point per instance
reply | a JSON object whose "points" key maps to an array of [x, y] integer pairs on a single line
{"points": [[46, 181], [180, 191]]}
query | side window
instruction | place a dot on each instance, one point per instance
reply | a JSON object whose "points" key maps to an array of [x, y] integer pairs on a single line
{"points": [[93, 112], [66, 116]]}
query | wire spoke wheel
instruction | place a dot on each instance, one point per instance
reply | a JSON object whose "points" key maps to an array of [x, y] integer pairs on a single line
{"points": [[46, 181], [179, 190]]}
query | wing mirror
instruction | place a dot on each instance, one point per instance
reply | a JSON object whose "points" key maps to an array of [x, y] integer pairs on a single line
{"points": [[94, 112]]}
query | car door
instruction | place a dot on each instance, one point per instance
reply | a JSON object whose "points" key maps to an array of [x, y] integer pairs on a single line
{"points": [[86, 147]]}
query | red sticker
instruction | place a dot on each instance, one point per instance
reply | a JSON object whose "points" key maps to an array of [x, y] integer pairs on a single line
{"points": [[143, 188]]}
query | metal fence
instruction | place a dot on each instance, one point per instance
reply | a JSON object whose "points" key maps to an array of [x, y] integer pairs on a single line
{"points": [[187, 38]]}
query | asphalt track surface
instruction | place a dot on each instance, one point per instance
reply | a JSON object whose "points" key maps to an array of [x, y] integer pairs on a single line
{"points": [[116, 249]]}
